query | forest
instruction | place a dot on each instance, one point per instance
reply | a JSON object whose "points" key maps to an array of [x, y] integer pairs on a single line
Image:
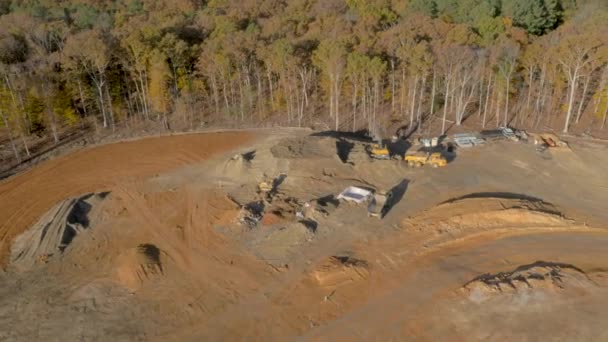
{"points": [[333, 64]]}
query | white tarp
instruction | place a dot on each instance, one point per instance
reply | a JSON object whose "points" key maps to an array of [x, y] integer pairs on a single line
{"points": [[355, 194]]}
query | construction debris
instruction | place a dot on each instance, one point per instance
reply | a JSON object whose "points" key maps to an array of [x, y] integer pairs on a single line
{"points": [[467, 140], [252, 214]]}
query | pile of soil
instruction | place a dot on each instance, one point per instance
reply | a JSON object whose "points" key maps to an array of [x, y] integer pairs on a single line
{"points": [[305, 147], [54, 232], [26, 197]]}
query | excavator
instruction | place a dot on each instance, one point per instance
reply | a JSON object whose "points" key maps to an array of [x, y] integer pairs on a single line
{"points": [[378, 150]]}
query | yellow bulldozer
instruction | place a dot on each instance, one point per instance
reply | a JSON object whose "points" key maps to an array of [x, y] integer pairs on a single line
{"points": [[419, 159], [379, 151]]}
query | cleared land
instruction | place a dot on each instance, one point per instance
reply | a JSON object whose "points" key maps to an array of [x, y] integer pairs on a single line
{"points": [[171, 238]]}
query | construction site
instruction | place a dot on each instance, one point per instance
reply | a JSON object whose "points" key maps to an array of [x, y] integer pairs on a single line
{"points": [[282, 234]]}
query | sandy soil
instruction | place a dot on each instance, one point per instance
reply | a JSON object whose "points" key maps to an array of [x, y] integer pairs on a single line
{"points": [[24, 198], [177, 239]]}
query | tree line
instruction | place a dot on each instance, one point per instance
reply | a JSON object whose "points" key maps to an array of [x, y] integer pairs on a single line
{"points": [[346, 64]]}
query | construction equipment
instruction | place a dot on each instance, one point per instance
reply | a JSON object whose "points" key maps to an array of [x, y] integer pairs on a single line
{"points": [[419, 159], [467, 140], [379, 151], [379, 204], [548, 140], [264, 187]]}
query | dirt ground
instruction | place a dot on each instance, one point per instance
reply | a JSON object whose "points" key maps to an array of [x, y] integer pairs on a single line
{"points": [[239, 236]]}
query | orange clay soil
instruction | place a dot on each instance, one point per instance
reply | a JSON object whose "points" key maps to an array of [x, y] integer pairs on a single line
{"points": [[24, 198]]}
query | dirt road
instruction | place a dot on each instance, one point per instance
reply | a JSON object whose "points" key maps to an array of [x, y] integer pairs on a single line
{"points": [[25, 197]]}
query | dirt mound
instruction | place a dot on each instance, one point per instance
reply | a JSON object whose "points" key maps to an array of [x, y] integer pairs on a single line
{"points": [[306, 147], [278, 243], [340, 270], [475, 213], [55, 230], [26, 197], [539, 276], [239, 165], [139, 265]]}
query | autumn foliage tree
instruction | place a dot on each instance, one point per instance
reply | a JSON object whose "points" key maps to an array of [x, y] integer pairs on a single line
{"points": [[339, 64]]}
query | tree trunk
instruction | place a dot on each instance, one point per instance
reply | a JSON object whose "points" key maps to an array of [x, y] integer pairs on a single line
{"points": [[364, 98], [15, 104], [507, 93], [573, 81], [110, 108], [270, 86], [241, 98], [141, 110], [82, 100], [420, 100], [480, 103], [403, 92], [53, 125], [102, 105], [249, 90], [225, 95], [260, 90], [11, 138], [485, 109], [498, 108], [605, 115], [337, 97], [304, 76], [445, 105], [354, 104], [583, 97], [432, 112], [530, 76], [216, 96], [392, 85], [460, 104], [453, 95], [331, 96], [541, 90], [144, 86], [376, 102], [413, 101]]}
